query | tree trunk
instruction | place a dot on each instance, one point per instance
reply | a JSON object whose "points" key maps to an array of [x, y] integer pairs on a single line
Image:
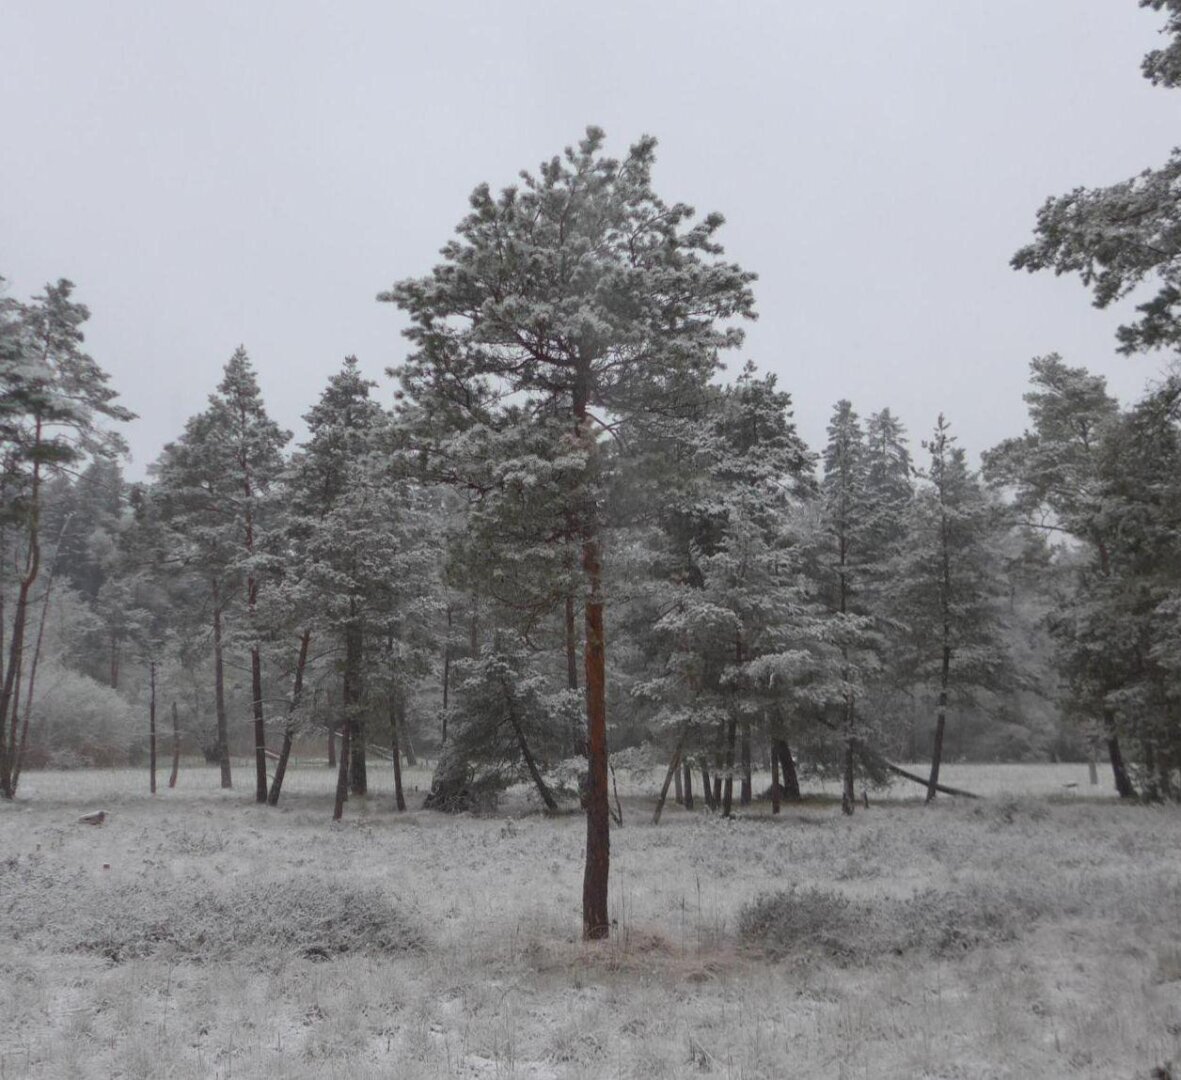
{"points": [[534, 772], [1123, 784], [219, 691], [674, 770], [747, 782], [342, 774], [848, 795], [301, 664], [331, 740], [706, 790], [678, 787], [940, 722], [408, 745], [791, 779], [354, 715], [731, 743], [152, 726], [688, 771], [595, 920], [260, 728], [776, 792], [399, 797], [446, 674], [175, 747], [114, 666]]}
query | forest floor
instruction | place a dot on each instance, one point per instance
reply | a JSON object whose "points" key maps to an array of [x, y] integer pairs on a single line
{"points": [[1033, 933]]}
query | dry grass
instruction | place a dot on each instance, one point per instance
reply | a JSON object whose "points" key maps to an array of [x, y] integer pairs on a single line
{"points": [[1017, 937]]}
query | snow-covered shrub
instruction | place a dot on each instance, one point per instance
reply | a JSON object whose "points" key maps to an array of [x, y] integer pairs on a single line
{"points": [[76, 722]]}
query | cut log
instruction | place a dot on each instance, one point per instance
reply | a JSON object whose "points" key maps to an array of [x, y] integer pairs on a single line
{"points": [[95, 817]]}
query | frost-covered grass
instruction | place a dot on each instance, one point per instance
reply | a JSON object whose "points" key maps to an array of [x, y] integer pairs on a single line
{"points": [[198, 935]]}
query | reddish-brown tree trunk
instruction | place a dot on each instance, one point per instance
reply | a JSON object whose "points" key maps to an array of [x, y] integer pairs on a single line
{"points": [[595, 921], [688, 770], [728, 787], [342, 774]]}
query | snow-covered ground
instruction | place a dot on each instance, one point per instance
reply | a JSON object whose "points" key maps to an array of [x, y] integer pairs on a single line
{"points": [[198, 935]]}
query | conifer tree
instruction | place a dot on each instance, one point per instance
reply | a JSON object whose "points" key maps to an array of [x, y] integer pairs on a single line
{"points": [[946, 585], [52, 396], [579, 295]]}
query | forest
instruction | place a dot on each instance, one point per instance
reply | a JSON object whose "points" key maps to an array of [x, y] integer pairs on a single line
{"points": [[566, 540]]}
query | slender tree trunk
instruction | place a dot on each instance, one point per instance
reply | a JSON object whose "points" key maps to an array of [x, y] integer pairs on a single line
{"points": [[720, 763], [678, 787], [731, 743], [674, 769], [446, 674], [747, 780], [342, 773], [848, 795], [1123, 784], [399, 797], [706, 790], [940, 722], [1092, 768], [354, 715], [22, 745], [688, 771], [219, 691], [408, 744], [530, 763], [175, 746], [331, 738], [114, 665], [776, 793], [152, 726], [289, 728], [260, 728], [9, 701]]}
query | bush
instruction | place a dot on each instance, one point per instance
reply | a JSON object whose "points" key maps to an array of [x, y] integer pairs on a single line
{"points": [[77, 722]]}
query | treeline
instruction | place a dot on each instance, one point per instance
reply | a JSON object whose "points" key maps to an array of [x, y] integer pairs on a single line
{"points": [[402, 586]]}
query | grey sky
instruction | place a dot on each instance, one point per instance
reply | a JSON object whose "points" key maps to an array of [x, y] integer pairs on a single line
{"points": [[216, 173]]}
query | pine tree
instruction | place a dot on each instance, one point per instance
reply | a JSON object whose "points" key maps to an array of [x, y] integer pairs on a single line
{"points": [[946, 586], [214, 484], [52, 394], [588, 299]]}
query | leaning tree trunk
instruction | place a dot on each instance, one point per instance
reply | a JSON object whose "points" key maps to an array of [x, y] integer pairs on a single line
{"points": [[301, 664], [791, 779], [1123, 783], [219, 691], [940, 722]]}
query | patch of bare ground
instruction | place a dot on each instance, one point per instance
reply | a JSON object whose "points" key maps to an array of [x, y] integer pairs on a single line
{"points": [[198, 935]]}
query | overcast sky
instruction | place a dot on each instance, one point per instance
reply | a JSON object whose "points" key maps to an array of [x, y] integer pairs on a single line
{"points": [[214, 173]]}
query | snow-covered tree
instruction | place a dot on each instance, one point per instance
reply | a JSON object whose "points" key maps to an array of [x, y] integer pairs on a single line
{"points": [[578, 295]]}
